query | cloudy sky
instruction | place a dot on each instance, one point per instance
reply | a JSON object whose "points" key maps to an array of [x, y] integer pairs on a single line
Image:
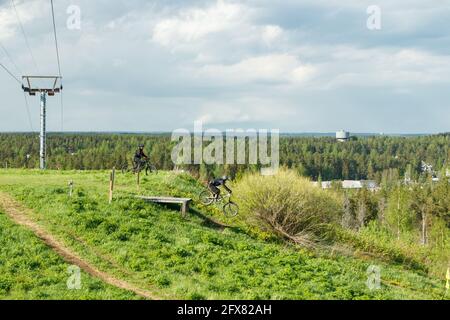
{"points": [[294, 65]]}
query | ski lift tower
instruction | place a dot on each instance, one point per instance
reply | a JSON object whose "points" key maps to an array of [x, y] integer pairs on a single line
{"points": [[40, 84]]}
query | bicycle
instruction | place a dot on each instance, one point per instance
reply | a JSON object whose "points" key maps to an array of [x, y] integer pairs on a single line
{"points": [[231, 209], [143, 165]]}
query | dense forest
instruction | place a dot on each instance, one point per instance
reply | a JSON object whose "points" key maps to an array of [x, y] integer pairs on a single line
{"points": [[376, 158]]}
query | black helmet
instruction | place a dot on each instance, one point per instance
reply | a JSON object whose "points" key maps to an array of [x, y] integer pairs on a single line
{"points": [[141, 146]]}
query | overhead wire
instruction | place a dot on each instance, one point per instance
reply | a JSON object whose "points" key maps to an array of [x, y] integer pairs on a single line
{"points": [[26, 101], [59, 63], [27, 106], [28, 111], [62, 111], [24, 35], [10, 58], [10, 73], [56, 38]]}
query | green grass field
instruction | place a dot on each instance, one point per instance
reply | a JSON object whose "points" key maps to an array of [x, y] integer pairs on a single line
{"points": [[30, 270], [154, 248]]}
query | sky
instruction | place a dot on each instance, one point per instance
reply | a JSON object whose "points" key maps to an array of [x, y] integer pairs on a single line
{"points": [[292, 65]]}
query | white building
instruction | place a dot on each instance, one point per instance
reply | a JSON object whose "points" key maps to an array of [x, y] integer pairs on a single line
{"points": [[351, 184], [342, 136]]}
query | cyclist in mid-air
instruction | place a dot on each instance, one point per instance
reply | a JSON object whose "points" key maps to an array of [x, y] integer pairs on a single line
{"points": [[139, 157], [216, 183]]}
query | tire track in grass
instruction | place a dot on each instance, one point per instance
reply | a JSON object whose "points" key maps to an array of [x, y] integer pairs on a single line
{"points": [[17, 213]]}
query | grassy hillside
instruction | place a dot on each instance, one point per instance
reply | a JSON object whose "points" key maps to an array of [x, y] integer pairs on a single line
{"points": [[153, 247], [30, 270]]}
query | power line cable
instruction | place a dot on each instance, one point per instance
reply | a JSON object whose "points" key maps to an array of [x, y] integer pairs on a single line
{"points": [[28, 112], [59, 63], [26, 101], [10, 73], [56, 38], [62, 111], [24, 35], [27, 106], [10, 58]]}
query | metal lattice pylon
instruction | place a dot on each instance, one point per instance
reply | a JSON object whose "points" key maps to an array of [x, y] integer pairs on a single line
{"points": [[43, 91]]}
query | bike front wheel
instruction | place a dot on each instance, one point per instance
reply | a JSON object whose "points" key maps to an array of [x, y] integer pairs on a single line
{"points": [[206, 197], [231, 209]]}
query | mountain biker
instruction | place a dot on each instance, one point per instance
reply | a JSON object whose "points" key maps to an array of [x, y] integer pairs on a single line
{"points": [[139, 156], [214, 185]]}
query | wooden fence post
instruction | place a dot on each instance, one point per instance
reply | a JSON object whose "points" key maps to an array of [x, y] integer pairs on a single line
{"points": [[111, 184], [138, 177], [70, 188]]}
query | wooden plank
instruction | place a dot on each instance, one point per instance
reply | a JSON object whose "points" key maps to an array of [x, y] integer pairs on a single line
{"points": [[183, 201], [165, 199], [168, 198]]}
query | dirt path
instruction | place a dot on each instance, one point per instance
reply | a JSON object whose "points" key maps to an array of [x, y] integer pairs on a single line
{"points": [[17, 213]]}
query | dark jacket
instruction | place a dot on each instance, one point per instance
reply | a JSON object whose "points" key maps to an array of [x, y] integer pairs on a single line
{"points": [[219, 182], [140, 154]]}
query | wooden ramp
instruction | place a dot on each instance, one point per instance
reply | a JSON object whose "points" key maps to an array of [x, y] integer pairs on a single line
{"points": [[183, 201]]}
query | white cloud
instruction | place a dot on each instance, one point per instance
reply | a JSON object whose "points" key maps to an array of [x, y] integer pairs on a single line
{"points": [[244, 111], [270, 33], [281, 68], [386, 67], [195, 23], [6, 24], [230, 26], [9, 25]]}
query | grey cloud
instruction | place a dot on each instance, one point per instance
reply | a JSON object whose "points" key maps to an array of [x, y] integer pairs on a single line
{"points": [[113, 70]]}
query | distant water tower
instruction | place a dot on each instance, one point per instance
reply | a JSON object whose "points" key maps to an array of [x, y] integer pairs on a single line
{"points": [[342, 136]]}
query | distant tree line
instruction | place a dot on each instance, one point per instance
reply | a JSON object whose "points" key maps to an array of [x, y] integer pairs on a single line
{"points": [[378, 158]]}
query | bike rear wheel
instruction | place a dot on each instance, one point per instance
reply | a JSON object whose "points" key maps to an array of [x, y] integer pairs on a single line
{"points": [[206, 197], [231, 209]]}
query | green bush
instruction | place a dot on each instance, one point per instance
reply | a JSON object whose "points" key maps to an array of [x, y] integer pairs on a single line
{"points": [[5, 285], [289, 205]]}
